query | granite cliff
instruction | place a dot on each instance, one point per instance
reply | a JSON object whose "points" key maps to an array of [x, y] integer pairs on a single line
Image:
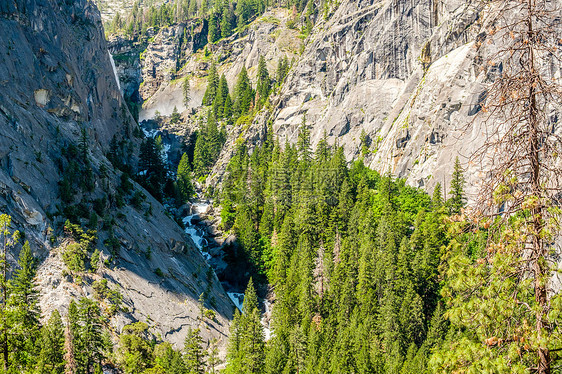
{"points": [[58, 94], [403, 77], [400, 80]]}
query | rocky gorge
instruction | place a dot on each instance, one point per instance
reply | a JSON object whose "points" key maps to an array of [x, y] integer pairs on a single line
{"points": [[58, 89], [397, 84], [403, 78]]}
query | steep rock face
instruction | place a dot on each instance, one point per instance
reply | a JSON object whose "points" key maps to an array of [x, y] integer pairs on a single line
{"points": [[162, 86], [364, 67], [58, 91]]}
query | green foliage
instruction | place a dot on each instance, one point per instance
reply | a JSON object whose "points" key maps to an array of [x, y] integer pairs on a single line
{"points": [[353, 257], [85, 344], [167, 360], [282, 70], [457, 200], [51, 357], [212, 85], [23, 303], [246, 350], [207, 146], [264, 82], [175, 118], [95, 260], [76, 252], [222, 104], [243, 93], [134, 353], [186, 91], [194, 356], [152, 173], [183, 179]]}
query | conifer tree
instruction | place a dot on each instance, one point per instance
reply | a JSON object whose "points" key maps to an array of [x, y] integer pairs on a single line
{"points": [[243, 93], [135, 352], [226, 20], [234, 351], [282, 69], [244, 13], [25, 312], [51, 357], [437, 199], [186, 91], [252, 336], [194, 356], [175, 117], [250, 299], [253, 343], [90, 335], [72, 340], [213, 357], [183, 179], [264, 83], [8, 240], [212, 85], [502, 305], [152, 171], [167, 360], [214, 33], [303, 142], [221, 98], [192, 7], [457, 200]]}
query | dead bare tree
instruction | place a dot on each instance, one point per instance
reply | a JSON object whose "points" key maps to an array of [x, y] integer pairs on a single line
{"points": [[505, 298], [524, 147]]}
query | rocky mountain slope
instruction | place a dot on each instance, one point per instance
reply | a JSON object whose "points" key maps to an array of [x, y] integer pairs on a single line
{"points": [[403, 78], [60, 111]]}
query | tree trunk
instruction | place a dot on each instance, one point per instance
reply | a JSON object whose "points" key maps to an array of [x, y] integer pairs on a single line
{"points": [[540, 273]]}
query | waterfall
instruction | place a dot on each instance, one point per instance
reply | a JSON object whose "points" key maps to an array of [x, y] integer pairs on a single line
{"points": [[114, 71]]}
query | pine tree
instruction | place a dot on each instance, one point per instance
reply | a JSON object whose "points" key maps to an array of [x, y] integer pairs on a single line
{"points": [[437, 199], [282, 69], [250, 299], [243, 93], [192, 8], [135, 352], [213, 357], [221, 98], [194, 356], [303, 142], [8, 240], [244, 13], [152, 171], [234, 350], [72, 340], [247, 351], [51, 357], [253, 343], [185, 187], [90, 335], [227, 112], [226, 20], [175, 118], [168, 360], [25, 312], [207, 146], [214, 33], [264, 83], [212, 85], [186, 91], [457, 200]]}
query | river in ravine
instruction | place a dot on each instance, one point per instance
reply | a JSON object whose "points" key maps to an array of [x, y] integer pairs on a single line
{"points": [[197, 229]]}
